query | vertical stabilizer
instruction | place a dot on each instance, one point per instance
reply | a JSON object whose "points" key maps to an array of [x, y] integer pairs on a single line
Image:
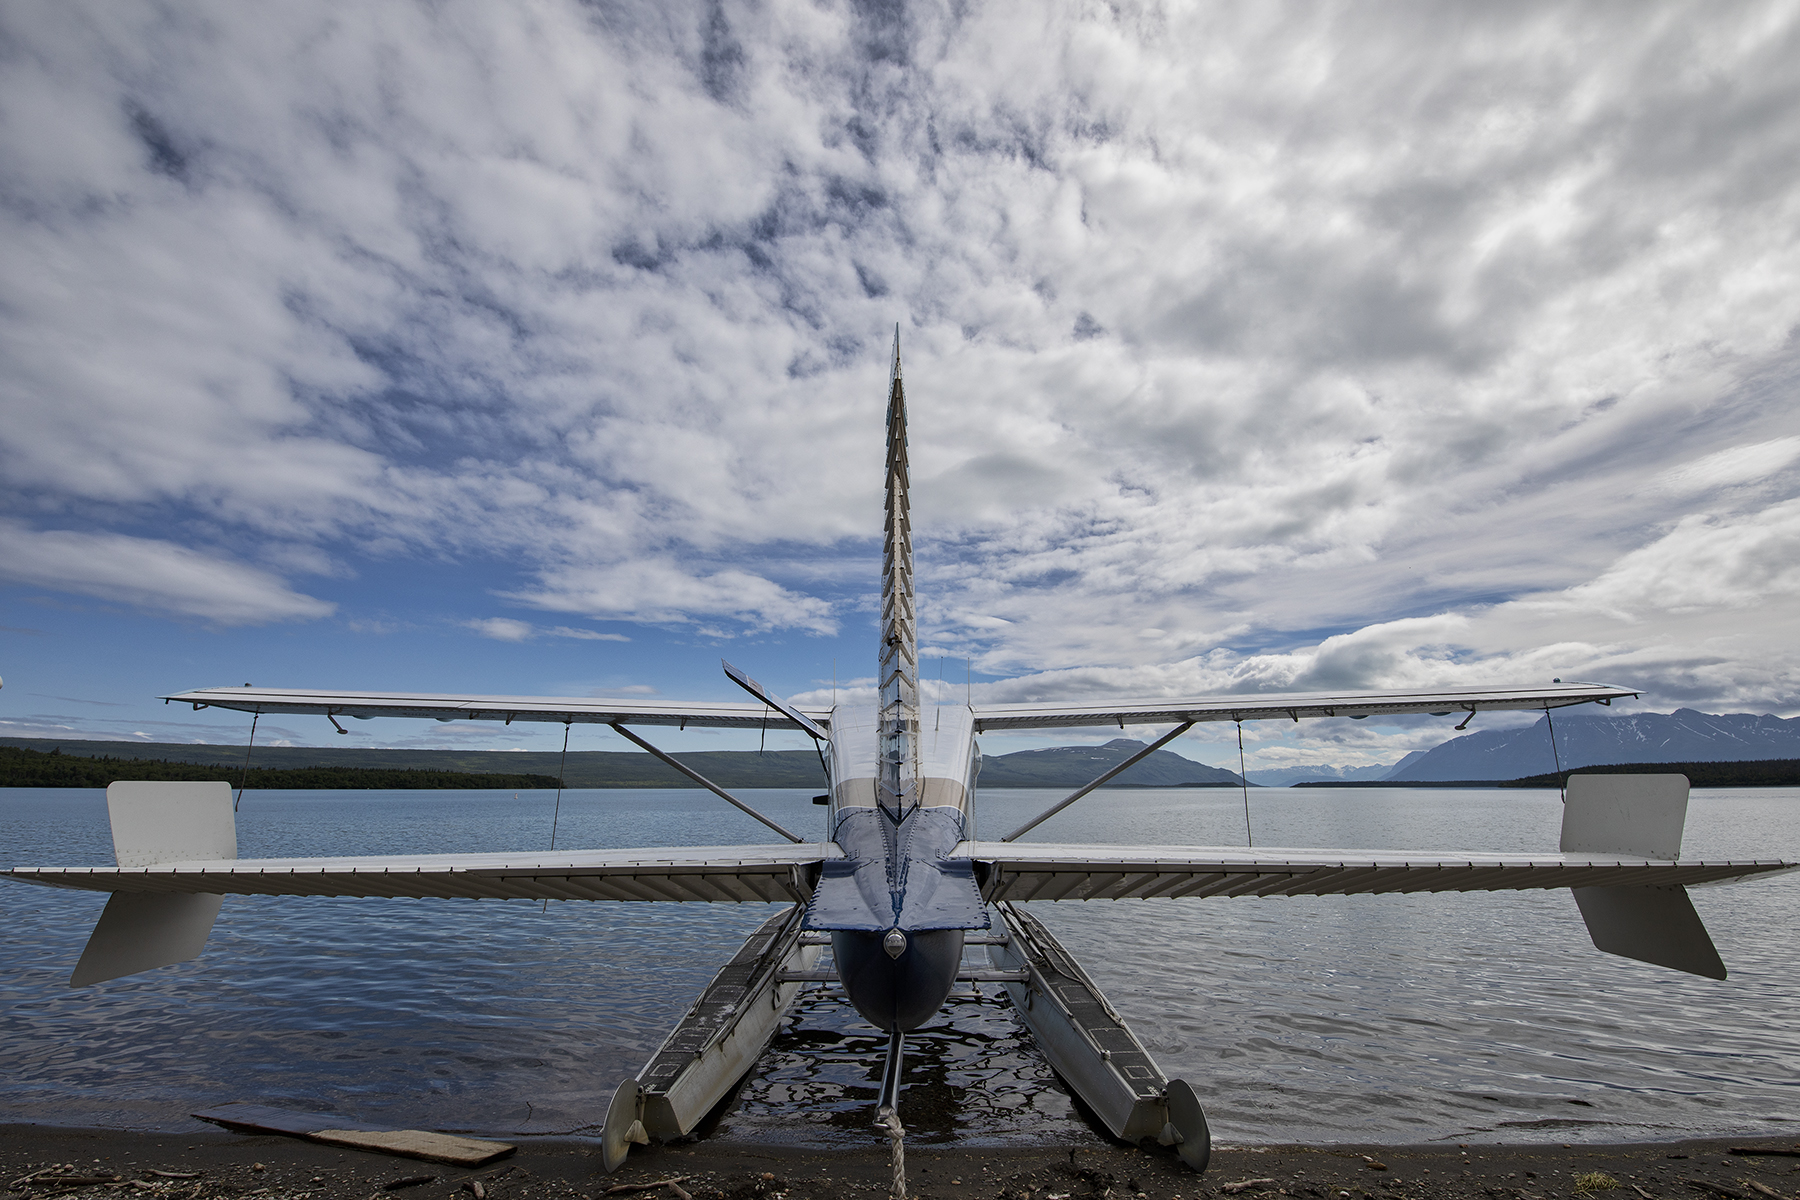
{"points": [[897, 785], [158, 823], [1641, 816]]}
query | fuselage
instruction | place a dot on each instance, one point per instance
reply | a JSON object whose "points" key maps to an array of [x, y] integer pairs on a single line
{"points": [[908, 879]]}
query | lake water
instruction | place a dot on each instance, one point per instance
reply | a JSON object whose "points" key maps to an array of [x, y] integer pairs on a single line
{"points": [[1479, 1017]]}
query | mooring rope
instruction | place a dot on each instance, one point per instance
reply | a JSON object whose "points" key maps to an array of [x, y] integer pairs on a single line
{"points": [[897, 1150]]}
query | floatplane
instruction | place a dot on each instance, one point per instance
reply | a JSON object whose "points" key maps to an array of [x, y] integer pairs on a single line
{"points": [[898, 884]]}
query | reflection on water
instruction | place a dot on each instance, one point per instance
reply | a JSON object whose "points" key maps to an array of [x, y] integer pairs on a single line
{"points": [[1396, 1018], [973, 1078]]}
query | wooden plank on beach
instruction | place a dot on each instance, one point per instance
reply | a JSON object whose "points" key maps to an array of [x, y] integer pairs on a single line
{"points": [[333, 1129], [417, 1143]]}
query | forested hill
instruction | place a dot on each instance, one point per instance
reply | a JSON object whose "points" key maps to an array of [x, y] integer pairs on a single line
{"points": [[1072, 766], [35, 768], [585, 769], [1062, 766]]}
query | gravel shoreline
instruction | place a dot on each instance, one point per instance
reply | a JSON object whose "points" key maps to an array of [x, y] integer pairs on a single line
{"points": [[40, 1160]]}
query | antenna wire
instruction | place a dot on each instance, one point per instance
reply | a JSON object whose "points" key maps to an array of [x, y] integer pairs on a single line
{"points": [[244, 779], [556, 816], [1245, 780]]}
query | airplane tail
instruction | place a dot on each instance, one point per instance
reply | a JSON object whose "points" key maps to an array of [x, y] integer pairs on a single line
{"points": [[158, 823], [897, 783], [1643, 816]]}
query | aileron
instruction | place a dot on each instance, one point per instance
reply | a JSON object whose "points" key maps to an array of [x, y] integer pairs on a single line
{"points": [[989, 718], [505, 709]]}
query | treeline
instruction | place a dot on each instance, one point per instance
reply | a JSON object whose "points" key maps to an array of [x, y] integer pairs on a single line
{"points": [[581, 769], [1767, 772], [33, 768]]}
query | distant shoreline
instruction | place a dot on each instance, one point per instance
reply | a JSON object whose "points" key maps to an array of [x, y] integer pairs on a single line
{"points": [[360, 767], [1767, 772]]}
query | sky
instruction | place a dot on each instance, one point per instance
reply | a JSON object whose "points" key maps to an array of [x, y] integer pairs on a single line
{"points": [[541, 349]]}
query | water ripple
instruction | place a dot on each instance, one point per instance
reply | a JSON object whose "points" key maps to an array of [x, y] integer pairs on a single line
{"points": [[1393, 1018]]}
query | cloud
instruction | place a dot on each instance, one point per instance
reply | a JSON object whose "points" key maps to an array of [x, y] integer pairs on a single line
{"points": [[586, 635], [502, 629], [663, 591], [508, 629], [79, 700], [1738, 465], [1723, 563], [1239, 349], [152, 574]]}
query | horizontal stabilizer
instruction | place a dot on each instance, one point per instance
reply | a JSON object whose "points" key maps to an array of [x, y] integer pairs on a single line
{"points": [[940, 894], [1055, 871], [934, 890], [781, 873], [1651, 924], [140, 931]]}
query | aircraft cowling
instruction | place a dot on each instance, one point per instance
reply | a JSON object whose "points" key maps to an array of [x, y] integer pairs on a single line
{"points": [[897, 906]]}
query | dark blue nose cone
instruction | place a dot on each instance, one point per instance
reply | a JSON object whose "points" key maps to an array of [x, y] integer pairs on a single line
{"points": [[898, 993]]}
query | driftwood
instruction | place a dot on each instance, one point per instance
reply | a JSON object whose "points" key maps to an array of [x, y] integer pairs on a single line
{"points": [[394, 1185], [333, 1130], [1717, 1189], [673, 1182]]}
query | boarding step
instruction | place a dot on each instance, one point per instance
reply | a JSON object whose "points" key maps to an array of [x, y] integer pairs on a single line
{"points": [[976, 975]]}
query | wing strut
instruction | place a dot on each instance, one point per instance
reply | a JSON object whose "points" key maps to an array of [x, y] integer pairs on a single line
{"points": [[807, 725], [1078, 793], [704, 782]]}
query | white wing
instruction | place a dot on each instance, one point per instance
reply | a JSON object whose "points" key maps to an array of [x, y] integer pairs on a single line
{"points": [[1264, 708], [783, 873], [506, 709], [1048, 871]]}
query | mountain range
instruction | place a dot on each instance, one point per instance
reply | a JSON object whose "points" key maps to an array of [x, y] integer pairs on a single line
{"points": [[1072, 766], [1286, 776], [1583, 739], [1598, 739]]}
